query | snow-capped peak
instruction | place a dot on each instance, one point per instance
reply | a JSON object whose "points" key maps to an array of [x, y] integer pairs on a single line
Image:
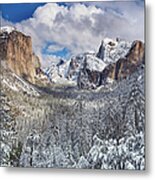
{"points": [[115, 49], [7, 29], [109, 40]]}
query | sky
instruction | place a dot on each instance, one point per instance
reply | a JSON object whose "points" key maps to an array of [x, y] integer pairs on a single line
{"points": [[60, 30]]}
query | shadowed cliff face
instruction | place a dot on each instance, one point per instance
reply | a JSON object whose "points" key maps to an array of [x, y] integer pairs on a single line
{"points": [[100, 53]]}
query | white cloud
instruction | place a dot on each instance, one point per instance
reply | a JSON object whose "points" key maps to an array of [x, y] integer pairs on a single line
{"points": [[49, 59], [81, 27], [54, 48]]}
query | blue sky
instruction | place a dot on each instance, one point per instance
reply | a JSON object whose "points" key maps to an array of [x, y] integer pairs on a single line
{"points": [[64, 29], [18, 12], [62, 52]]}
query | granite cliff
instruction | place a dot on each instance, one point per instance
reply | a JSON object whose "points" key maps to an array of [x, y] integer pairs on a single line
{"points": [[17, 54]]}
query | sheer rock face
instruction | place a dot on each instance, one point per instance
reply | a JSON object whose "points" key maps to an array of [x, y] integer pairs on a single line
{"points": [[16, 50], [20, 55]]}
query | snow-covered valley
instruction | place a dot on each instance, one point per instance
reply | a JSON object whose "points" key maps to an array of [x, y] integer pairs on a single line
{"points": [[73, 128], [85, 112]]}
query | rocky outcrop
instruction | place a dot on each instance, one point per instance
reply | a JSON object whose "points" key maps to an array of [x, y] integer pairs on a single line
{"points": [[17, 54]]}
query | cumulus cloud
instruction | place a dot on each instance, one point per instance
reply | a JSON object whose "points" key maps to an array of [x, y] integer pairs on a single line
{"points": [[80, 27]]}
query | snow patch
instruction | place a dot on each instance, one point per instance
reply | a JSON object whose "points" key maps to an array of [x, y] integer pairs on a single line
{"points": [[7, 29], [95, 64]]}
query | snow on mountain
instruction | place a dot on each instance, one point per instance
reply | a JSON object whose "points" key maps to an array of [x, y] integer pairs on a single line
{"points": [[57, 73], [75, 65], [7, 29], [68, 70], [10, 81], [94, 63], [89, 74], [114, 49], [110, 51]]}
